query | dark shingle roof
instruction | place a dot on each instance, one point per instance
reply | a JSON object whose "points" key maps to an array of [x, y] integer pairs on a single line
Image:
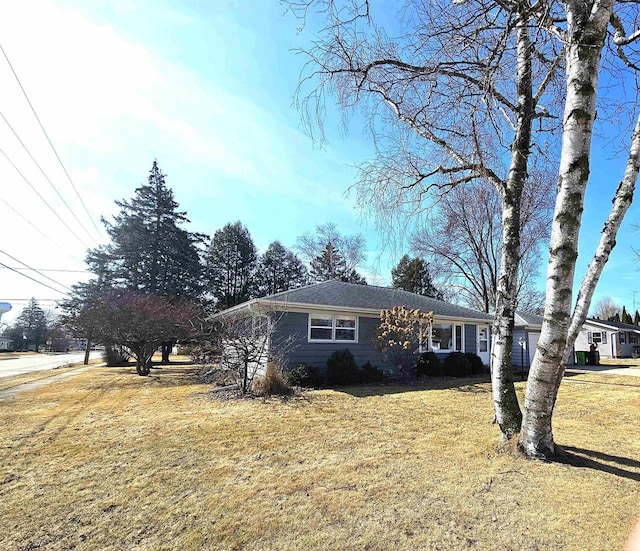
{"points": [[616, 324], [528, 318], [370, 297]]}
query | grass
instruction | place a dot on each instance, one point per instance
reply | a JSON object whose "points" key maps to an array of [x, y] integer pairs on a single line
{"points": [[111, 460]]}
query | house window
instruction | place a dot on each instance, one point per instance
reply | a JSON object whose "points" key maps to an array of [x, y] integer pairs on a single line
{"points": [[483, 339], [633, 338], [445, 336], [623, 339], [324, 328], [598, 337]]}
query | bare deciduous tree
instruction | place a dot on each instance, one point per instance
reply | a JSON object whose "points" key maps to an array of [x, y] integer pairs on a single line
{"points": [[246, 341], [452, 99], [605, 308], [462, 241], [351, 247], [136, 320]]}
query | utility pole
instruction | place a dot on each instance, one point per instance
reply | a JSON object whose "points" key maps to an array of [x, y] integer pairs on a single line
{"points": [[634, 299]]}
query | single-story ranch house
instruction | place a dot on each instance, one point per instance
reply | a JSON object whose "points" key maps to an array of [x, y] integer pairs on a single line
{"points": [[613, 339], [333, 315]]}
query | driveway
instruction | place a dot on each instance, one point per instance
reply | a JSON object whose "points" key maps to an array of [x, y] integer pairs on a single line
{"points": [[40, 362], [633, 371]]}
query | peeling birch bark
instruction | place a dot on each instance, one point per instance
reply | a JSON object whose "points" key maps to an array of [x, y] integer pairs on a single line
{"points": [[586, 31], [621, 203], [505, 400]]}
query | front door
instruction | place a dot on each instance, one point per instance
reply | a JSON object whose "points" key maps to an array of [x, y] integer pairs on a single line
{"points": [[483, 343]]}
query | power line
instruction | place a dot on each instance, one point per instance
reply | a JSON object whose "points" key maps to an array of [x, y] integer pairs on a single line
{"points": [[28, 299], [47, 237], [32, 269], [50, 143], [53, 270], [45, 175], [32, 279], [42, 198]]}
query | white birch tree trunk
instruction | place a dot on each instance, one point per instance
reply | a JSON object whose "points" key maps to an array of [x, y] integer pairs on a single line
{"points": [[587, 24], [621, 203], [506, 407]]}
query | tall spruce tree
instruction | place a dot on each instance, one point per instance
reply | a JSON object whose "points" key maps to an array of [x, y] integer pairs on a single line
{"points": [[330, 264], [279, 270], [149, 250], [30, 329], [413, 275], [231, 265]]}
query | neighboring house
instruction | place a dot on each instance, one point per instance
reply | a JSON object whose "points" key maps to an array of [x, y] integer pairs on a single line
{"points": [[526, 333], [612, 338], [333, 315], [6, 344]]}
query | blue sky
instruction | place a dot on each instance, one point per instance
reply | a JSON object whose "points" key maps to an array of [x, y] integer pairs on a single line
{"points": [[207, 89]]}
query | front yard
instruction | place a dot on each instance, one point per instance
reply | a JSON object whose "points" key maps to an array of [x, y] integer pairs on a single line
{"points": [[110, 460]]}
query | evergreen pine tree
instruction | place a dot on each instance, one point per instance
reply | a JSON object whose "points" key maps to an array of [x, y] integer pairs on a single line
{"points": [[413, 275], [626, 317], [279, 270], [231, 265], [31, 327], [636, 318], [149, 250], [330, 264]]}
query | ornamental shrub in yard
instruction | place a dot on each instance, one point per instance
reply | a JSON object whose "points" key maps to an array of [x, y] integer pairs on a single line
{"points": [[371, 374], [456, 364], [428, 364], [477, 366], [342, 368], [304, 375]]}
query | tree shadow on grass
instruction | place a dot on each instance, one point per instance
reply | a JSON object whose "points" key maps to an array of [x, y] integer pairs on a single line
{"points": [[169, 375], [581, 458], [475, 384]]}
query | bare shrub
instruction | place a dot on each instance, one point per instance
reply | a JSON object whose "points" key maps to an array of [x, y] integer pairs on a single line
{"points": [[272, 383]]}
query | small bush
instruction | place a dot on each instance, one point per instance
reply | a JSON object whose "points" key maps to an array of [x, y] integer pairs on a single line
{"points": [[370, 374], [456, 364], [428, 364], [115, 356], [477, 366], [272, 383], [307, 376], [203, 354], [342, 368]]}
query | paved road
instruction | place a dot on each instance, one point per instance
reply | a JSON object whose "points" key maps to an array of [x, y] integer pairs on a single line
{"points": [[40, 362]]}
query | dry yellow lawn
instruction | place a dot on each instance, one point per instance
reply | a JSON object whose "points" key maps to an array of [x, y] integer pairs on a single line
{"points": [[110, 460], [16, 380]]}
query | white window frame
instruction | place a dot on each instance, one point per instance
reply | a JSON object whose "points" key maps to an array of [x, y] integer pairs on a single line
{"points": [[484, 340], [601, 335], [334, 326], [453, 326]]}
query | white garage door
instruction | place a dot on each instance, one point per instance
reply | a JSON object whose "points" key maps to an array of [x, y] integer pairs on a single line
{"points": [[533, 343]]}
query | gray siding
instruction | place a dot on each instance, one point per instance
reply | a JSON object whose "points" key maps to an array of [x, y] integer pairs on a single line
{"points": [[292, 329], [516, 353], [316, 353]]}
